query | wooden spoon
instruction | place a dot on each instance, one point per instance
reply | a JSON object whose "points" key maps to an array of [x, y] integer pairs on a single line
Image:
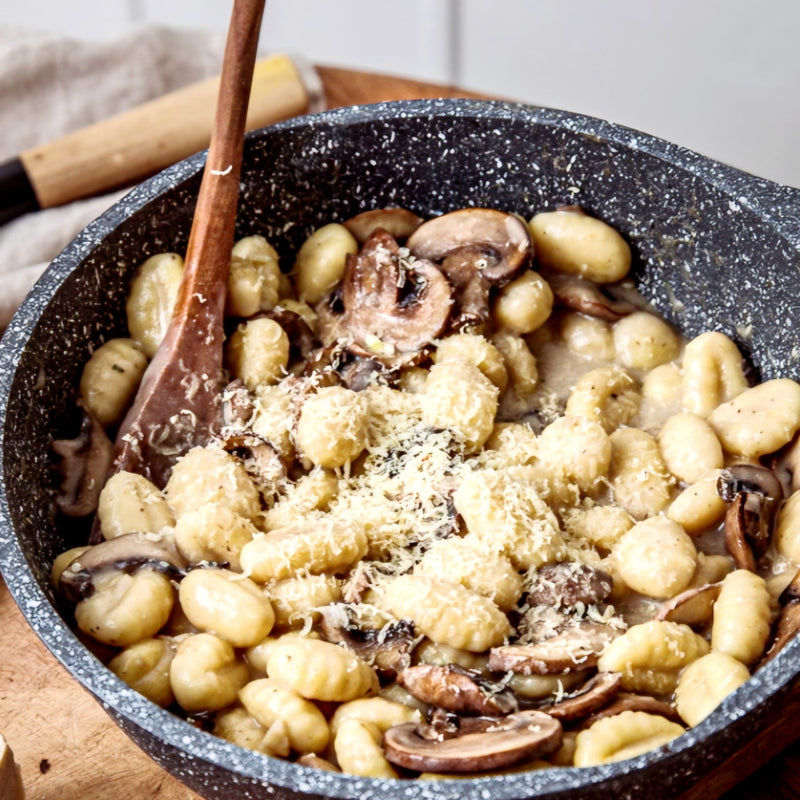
{"points": [[178, 403]]}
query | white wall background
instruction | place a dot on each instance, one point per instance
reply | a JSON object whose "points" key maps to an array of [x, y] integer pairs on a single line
{"points": [[717, 76]]}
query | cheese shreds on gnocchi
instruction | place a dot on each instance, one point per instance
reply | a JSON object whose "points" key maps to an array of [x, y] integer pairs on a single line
{"points": [[465, 481]]}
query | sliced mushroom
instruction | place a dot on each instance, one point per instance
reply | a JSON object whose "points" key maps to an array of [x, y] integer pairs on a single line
{"points": [[586, 297], [126, 553], [323, 363], [82, 466], [237, 405], [629, 701], [330, 327], [501, 240], [259, 457], [576, 646], [472, 289], [596, 693], [738, 528], [566, 584], [393, 304], [477, 248], [478, 743], [317, 762], [358, 372], [388, 648], [301, 337], [456, 689], [359, 583], [786, 465], [749, 479], [753, 493], [787, 625], [691, 607], [350, 366], [399, 222]]}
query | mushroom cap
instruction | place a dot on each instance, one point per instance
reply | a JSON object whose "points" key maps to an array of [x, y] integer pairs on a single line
{"points": [[301, 337], [593, 695], [456, 689], [259, 457], [83, 464], [753, 493], [393, 303], [480, 743], [631, 701], [497, 239], [125, 553], [387, 648], [787, 625], [748, 479], [575, 647], [400, 222], [566, 584], [692, 606], [586, 297]]}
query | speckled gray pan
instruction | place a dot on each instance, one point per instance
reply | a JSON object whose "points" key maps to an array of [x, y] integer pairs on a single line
{"points": [[714, 249]]}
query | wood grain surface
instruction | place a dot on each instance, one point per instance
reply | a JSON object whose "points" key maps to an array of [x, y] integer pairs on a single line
{"points": [[68, 748]]}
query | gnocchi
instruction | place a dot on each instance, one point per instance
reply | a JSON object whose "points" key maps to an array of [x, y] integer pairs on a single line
{"points": [[320, 670], [110, 379], [485, 500]]}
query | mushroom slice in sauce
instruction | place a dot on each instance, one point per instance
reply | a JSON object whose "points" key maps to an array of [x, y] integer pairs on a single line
{"points": [[477, 744], [393, 304], [83, 465], [749, 479], [317, 762], [786, 464], [787, 625], [387, 648], [301, 337], [358, 373], [330, 328], [567, 584], [456, 689], [691, 607], [629, 701], [258, 456], [399, 222], [238, 407], [753, 494], [576, 646], [477, 248], [126, 553], [596, 693], [578, 294]]}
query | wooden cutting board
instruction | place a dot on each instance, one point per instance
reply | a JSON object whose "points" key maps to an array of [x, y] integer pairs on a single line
{"points": [[68, 748]]}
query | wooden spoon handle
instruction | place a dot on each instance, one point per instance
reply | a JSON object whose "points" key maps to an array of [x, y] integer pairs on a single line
{"points": [[209, 250], [177, 405]]}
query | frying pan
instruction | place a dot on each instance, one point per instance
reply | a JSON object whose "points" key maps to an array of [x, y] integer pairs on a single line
{"points": [[714, 249]]}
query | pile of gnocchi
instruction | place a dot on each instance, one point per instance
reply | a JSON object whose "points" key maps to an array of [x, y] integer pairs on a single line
{"points": [[472, 506]]}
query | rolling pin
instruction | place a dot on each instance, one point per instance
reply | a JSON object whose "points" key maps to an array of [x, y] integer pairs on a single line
{"points": [[126, 148]]}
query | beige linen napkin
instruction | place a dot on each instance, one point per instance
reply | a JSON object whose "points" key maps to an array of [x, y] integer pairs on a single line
{"points": [[52, 85]]}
